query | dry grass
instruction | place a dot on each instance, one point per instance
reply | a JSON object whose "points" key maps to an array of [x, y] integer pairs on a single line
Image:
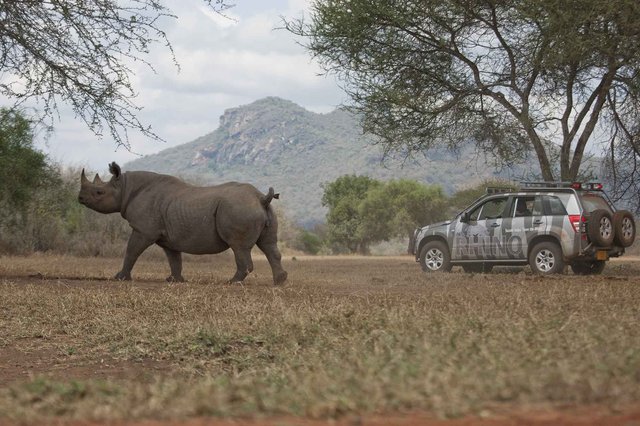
{"points": [[345, 335]]}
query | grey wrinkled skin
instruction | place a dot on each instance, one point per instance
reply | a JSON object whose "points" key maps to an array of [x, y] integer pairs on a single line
{"points": [[183, 218]]}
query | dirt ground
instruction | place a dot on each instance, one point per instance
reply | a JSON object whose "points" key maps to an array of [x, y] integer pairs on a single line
{"points": [[502, 416], [34, 356]]}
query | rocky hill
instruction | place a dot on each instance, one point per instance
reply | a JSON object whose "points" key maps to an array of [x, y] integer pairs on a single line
{"points": [[274, 142]]}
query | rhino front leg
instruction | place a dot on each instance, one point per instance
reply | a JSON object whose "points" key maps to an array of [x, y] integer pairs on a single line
{"points": [[244, 264], [175, 263], [136, 245]]}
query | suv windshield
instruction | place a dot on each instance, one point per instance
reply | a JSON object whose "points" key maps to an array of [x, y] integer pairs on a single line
{"points": [[591, 202]]}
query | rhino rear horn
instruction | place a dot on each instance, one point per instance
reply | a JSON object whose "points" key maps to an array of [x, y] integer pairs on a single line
{"points": [[97, 180], [114, 169]]}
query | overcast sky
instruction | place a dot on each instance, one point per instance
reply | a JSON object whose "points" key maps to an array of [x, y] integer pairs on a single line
{"points": [[224, 63]]}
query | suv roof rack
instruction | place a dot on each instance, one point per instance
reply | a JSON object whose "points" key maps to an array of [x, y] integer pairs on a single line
{"points": [[498, 189], [545, 184], [589, 186]]}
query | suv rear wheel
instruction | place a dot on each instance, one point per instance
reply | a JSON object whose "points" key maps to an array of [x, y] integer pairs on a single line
{"points": [[588, 268], [435, 257], [600, 228], [546, 258]]}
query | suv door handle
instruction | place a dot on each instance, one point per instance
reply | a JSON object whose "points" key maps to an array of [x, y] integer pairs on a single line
{"points": [[537, 222], [495, 225]]}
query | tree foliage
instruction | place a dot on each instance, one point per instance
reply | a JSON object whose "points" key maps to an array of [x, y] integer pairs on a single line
{"points": [[343, 197], [511, 75], [81, 53], [397, 207], [23, 169], [309, 242], [363, 211], [39, 209]]}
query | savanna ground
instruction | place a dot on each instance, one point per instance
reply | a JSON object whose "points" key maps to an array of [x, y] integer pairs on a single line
{"points": [[349, 340]]}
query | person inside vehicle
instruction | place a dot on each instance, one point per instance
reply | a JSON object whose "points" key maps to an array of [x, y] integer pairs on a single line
{"points": [[521, 208]]}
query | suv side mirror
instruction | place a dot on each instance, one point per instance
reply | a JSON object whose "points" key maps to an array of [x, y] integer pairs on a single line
{"points": [[465, 217]]}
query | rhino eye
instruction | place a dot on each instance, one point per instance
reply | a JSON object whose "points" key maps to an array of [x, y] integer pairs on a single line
{"points": [[100, 191]]}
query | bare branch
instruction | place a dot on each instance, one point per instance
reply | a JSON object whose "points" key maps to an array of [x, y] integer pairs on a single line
{"points": [[80, 53]]}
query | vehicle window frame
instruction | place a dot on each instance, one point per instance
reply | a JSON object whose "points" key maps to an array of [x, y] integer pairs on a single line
{"points": [[532, 211], [480, 209], [546, 205], [592, 194]]}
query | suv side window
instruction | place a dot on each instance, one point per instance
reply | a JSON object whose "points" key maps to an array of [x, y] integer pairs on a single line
{"points": [[529, 205], [592, 202], [492, 209], [553, 205]]}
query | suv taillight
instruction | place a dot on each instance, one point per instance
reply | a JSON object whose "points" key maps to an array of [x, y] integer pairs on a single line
{"points": [[578, 222]]}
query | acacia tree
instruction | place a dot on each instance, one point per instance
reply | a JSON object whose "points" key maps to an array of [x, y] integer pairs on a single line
{"points": [[79, 52], [510, 75]]}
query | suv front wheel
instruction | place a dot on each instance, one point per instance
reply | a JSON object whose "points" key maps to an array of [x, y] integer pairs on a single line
{"points": [[546, 258], [435, 257]]}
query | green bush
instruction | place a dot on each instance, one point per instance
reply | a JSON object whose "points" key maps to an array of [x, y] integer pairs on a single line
{"points": [[310, 243], [53, 221]]}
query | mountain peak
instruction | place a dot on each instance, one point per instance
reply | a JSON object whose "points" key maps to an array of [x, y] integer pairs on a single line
{"points": [[266, 106], [257, 133]]}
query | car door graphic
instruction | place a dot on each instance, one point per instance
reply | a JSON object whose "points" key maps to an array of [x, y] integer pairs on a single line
{"points": [[524, 220], [477, 232]]}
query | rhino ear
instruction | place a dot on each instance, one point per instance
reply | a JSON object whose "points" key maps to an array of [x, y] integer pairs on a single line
{"points": [[115, 170]]}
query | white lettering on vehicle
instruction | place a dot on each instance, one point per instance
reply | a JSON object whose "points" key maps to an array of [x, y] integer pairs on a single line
{"points": [[488, 246]]}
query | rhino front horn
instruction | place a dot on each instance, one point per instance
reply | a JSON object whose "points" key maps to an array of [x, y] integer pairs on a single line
{"points": [[83, 178]]}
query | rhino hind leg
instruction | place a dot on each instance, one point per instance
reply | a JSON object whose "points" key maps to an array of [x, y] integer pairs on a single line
{"points": [[270, 249], [175, 263], [244, 263]]}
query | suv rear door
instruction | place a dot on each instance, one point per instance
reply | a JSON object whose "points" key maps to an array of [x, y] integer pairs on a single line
{"points": [[525, 220], [563, 220]]}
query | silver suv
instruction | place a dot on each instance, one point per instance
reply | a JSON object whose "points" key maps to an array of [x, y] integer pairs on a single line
{"points": [[547, 225]]}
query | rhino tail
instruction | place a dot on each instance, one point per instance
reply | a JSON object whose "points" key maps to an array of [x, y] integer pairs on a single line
{"points": [[266, 199]]}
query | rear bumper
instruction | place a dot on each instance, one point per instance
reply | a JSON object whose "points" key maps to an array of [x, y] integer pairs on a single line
{"points": [[592, 252]]}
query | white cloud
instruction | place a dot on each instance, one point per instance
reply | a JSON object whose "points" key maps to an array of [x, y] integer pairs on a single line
{"points": [[224, 62]]}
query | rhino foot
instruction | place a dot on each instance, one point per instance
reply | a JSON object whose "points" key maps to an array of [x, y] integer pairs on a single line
{"points": [[280, 278], [178, 279], [122, 276]]}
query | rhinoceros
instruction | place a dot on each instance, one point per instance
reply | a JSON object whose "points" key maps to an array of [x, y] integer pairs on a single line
{"points": [[183, 218]]}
